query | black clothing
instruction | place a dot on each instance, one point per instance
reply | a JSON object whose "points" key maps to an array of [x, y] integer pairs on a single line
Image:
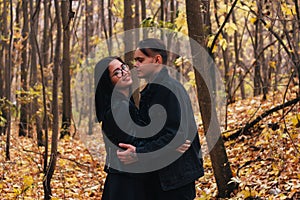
{"points": [[123, 187], [170, 94], [120, 184], [154, 191]]}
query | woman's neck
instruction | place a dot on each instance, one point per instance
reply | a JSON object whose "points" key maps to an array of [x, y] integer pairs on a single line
{"points": [[124, 91]]}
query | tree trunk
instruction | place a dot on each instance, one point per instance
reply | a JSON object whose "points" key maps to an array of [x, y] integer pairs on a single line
{"points": [[128, 25], [23, 125], [237, 60], [257, 75], [66, 89], [9, 65], [129, 39], [34, 78], [53, 157], [4, 64], [143, 11], [88, 34], [221, 167], [137, 20], [44, 61]]}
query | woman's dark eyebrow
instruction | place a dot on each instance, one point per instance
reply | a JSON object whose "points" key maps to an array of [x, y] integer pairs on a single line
{"points": [[117, 69], [120, 68]]}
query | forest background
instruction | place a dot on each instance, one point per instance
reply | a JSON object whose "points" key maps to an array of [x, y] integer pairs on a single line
{"points": [[51, 147]]}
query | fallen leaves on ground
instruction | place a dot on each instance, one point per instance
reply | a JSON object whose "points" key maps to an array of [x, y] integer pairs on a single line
{"points": [[265, 162]]}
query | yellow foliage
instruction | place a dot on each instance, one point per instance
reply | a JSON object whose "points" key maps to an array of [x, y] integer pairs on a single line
{"points": [[27, 181], [288, 10], [223, 43], [230, 28], [253, 20], [210, 41], [296, 120], [272, 64], [268, 25]]}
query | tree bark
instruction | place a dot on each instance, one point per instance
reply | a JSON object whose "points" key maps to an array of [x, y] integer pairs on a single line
{"points": [[9, 65], [34, 73], [197, 23], [88, 34], [49, 171], [143, 11], [4, 64], [129, 22], [66, 88], [23, 124]]}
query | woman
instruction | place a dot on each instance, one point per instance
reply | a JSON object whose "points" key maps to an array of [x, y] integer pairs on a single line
{"points": [[115, 75]]}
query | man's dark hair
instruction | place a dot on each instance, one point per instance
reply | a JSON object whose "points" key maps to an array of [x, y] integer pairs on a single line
{"points": [[152, 46]]}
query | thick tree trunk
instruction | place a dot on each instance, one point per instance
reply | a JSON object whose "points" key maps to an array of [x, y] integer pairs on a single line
{"points": [[129, 22], [128, 25], [220, 164], [143, 10]]}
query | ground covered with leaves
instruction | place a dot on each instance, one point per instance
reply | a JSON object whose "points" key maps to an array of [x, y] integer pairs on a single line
{"points": [[264, 160]]}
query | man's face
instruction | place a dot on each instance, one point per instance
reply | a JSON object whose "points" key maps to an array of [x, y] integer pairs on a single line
{"points": [[145, 66]]}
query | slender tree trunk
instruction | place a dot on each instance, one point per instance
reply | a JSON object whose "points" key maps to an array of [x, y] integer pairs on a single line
{"points": [[237, 59], [9, 65], [257, 68], [88, 34], [53, 157], [221, 167], [103, 25], [137, 20], [277, 70], [66, 88], [263, 66], [34, 77], [4, 64], [23, 125]]}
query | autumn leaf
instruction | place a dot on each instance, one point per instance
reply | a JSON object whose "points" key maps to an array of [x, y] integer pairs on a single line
{"points": [[230, 28], [272, 64], [28, 181], [223, 43]]}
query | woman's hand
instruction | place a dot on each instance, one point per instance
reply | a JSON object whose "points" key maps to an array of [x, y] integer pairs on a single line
{"points": [[184, 147], [129, 155]]}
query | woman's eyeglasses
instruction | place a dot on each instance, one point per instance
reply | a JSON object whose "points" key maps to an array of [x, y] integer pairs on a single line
{"points": [[120, 72]]}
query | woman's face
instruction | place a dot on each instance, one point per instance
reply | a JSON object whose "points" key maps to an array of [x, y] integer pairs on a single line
{"points": [[119, 74]]}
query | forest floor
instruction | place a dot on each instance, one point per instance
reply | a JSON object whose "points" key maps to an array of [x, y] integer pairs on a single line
{"points": [[265, 161]]}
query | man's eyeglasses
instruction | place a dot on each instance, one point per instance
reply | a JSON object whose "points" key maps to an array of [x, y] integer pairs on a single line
{"points": [[120, 72]]}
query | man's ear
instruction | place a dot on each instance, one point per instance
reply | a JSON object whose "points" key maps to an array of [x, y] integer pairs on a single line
{"points": [[158, 59]]}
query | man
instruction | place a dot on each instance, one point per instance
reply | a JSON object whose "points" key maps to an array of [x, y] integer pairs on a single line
{"points": [[174, 180]]}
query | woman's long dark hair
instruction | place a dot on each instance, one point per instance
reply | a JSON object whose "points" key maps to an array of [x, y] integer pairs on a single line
{"points": [[103, 86]]}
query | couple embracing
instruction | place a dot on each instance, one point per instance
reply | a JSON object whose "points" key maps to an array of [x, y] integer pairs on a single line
{"points": [[153, 151]]}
